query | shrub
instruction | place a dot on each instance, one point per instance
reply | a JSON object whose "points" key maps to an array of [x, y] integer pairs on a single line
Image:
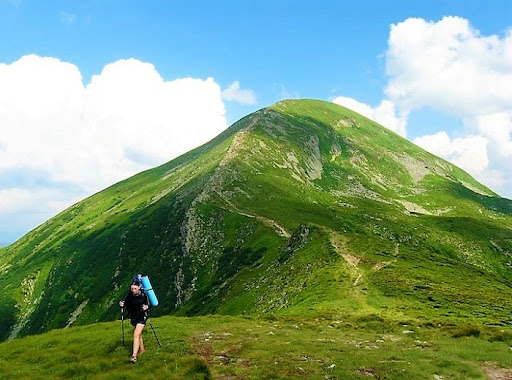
{"points": [[466, 331], [502, 336]]}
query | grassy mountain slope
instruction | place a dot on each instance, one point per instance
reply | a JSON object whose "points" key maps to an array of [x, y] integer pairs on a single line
{"points": [[227, 347], [303, 208]]}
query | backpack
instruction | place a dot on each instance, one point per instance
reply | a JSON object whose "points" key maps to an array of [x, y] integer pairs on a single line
{"points": [[146, 288], [138, 279]]}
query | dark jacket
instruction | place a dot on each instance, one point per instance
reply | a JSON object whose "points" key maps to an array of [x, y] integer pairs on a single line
{"points": [[133, 304]]}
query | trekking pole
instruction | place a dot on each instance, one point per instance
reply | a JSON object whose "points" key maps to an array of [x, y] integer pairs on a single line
{"points": [[159, 345], [122, 322], [154, 332]]}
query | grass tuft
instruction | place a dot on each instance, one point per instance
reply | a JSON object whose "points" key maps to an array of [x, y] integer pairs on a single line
{"points": [[466, 331]]}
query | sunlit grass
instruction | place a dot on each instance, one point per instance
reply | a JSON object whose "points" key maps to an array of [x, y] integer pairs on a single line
{"points": [[263, 348]]}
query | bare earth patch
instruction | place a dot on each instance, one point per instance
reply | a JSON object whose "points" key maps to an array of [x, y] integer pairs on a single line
{"points": [[496, 373], [413, 207]]}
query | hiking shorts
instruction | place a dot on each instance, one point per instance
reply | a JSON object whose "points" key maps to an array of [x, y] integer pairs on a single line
{"points": [[138, 320]]}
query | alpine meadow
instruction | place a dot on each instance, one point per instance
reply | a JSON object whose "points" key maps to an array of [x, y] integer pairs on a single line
{"points": [[305, 241]]}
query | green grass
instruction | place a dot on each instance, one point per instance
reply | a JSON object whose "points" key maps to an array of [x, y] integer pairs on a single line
{"points": [[272, 347]]}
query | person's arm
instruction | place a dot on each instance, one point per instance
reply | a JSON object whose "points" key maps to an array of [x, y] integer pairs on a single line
{"points": [[145, 302], [122, 303]]}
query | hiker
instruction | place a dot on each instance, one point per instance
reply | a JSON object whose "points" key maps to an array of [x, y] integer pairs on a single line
{"points": [[137, 304]]}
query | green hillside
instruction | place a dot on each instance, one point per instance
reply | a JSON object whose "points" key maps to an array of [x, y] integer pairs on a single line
{"points": [[302, 209], [229, 347]]}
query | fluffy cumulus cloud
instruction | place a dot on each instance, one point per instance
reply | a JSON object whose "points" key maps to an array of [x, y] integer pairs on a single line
{"points": [[385, 113], [468, 152], [497, 127], [78, 139], [235, 94], [451, 67]]}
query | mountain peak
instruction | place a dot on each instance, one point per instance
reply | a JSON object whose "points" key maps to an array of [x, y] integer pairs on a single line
{"points": [[300, 207]]}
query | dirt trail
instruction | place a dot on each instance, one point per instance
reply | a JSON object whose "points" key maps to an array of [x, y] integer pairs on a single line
{"points": [[269, 222], [496, 373], [339, 243], [384, 264]]}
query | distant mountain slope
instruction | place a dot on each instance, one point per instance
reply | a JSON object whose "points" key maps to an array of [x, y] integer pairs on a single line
{"points": [[303, 207]]}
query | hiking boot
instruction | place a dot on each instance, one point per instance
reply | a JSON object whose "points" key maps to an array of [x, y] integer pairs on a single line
{"points": [[133, 359]]}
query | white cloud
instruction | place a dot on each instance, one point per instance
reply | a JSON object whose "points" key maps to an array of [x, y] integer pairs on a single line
{"points": [[384, 114], [87, 137], [67, 18], [234, 94], [450, 67], [469, 153], [39, 200], [24, 208], [11, 199], [497, 127]]}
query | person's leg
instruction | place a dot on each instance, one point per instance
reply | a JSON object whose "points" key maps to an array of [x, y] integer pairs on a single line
{"points": [[141, 344], [137, 338]]}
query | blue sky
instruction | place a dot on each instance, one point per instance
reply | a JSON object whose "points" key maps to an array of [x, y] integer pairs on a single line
{"points": [[255, 53]]}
